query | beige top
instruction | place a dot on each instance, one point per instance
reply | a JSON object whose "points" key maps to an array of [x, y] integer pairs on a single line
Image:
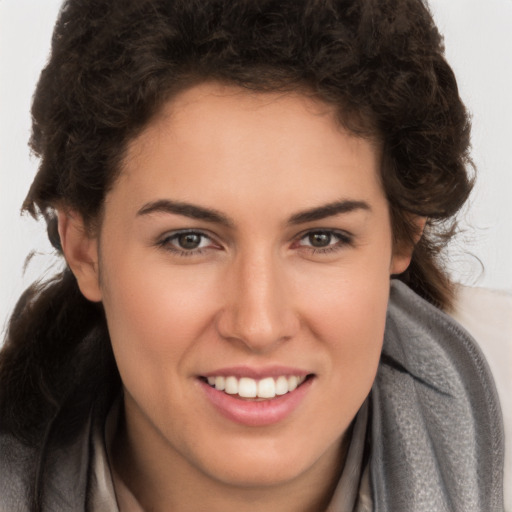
{"points": [[110, 494]]}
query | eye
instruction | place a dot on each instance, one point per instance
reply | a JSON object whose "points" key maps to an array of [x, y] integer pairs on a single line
{"points": [[319, 239], [322, 241], [187, 243]]}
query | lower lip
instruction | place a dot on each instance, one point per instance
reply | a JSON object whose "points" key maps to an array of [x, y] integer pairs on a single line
{"points": [[256, 413]]}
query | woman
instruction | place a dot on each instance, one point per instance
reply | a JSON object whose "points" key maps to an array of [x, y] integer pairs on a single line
{"points": [[233, 185]]}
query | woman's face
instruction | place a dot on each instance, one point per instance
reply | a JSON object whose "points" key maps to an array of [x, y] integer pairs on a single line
{"points": [[246, 244]]}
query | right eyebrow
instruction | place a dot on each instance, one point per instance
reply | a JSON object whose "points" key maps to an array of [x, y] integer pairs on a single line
{"points": [[187, 210]]}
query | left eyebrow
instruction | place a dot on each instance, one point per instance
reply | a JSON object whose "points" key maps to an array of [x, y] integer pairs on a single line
{"points": [[328, 210]]}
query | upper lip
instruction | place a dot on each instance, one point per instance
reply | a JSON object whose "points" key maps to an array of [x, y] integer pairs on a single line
{"points": [[256, 373]]}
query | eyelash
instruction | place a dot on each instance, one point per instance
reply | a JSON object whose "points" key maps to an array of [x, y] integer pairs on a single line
{"points": [[343, 239], [166, 243]]}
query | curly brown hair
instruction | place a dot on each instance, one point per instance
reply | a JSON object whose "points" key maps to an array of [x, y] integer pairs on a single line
{"points": [[114, 63], [380, 62]]}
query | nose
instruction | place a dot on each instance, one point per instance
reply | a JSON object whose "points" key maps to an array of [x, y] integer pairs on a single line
{"points": [[258, 309]]}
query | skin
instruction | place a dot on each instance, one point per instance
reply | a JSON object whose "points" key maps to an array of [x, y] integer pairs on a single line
{"points": [[257, 293]]}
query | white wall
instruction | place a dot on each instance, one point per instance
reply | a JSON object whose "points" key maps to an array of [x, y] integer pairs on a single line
{"points": [[478, 40], [25, 32], [478, 45]]}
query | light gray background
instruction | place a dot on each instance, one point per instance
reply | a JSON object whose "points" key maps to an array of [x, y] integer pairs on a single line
{"points": [[478, 45]]}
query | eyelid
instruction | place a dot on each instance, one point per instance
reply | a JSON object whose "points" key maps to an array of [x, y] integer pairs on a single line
{"points": [[342, 239], [340, 233], [164, 241]]}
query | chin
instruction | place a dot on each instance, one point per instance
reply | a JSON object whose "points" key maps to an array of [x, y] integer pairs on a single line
{"points": [[257, 463]]}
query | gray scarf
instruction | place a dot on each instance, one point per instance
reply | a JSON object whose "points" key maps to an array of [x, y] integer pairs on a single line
{"points": [[437, 433]]}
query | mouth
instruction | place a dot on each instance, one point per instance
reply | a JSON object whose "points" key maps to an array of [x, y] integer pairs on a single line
{"points": [[247, 388], [255, 398]]}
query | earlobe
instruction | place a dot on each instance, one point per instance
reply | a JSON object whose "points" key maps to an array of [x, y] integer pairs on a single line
{"points": [[400, 262], [81, 252], [402, 253]]}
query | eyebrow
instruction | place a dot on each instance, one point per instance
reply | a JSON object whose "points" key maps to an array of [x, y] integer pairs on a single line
{"points": [[328, 210], [211, 215], [187, 210]]}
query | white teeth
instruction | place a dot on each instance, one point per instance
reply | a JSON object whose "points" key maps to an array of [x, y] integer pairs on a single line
{"points": [[231, 386], [219, 382], [251, 388], [247, 388], [292, 383], [267, 388], [281, 386]]}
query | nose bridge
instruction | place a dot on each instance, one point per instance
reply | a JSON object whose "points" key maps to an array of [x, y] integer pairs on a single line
{"points": [[259, 311]]}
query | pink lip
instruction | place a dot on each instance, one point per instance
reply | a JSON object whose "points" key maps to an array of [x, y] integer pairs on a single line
{"points": [[256, 413]]}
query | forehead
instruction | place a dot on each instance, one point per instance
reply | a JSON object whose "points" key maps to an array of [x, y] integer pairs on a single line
{"points": [[214, 141]]}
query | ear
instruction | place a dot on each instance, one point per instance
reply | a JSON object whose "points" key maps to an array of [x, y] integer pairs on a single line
{"points": [[80, 249], [402, 253]]}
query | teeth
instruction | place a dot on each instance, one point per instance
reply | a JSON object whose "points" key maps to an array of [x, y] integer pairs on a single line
{"points": [[231, 387], [247, 388], [293, 382], [281, 386], [267, 388], [219, 383], [251, 388]]}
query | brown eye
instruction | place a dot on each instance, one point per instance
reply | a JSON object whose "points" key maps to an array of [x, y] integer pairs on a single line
{"points": [[325, 241], [189, 241], [320, 238]]}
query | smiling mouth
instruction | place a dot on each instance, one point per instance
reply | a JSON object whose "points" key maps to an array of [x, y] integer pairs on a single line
{"points": [[263, 389]]}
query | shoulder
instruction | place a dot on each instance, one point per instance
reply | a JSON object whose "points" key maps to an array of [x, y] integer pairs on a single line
{"points": [[16, 473], [53, 471], [437, 429]]}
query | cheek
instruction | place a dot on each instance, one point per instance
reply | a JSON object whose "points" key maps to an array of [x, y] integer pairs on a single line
{"points": [[155, 315], [351, 296], [347, 312], [352, 325]]}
